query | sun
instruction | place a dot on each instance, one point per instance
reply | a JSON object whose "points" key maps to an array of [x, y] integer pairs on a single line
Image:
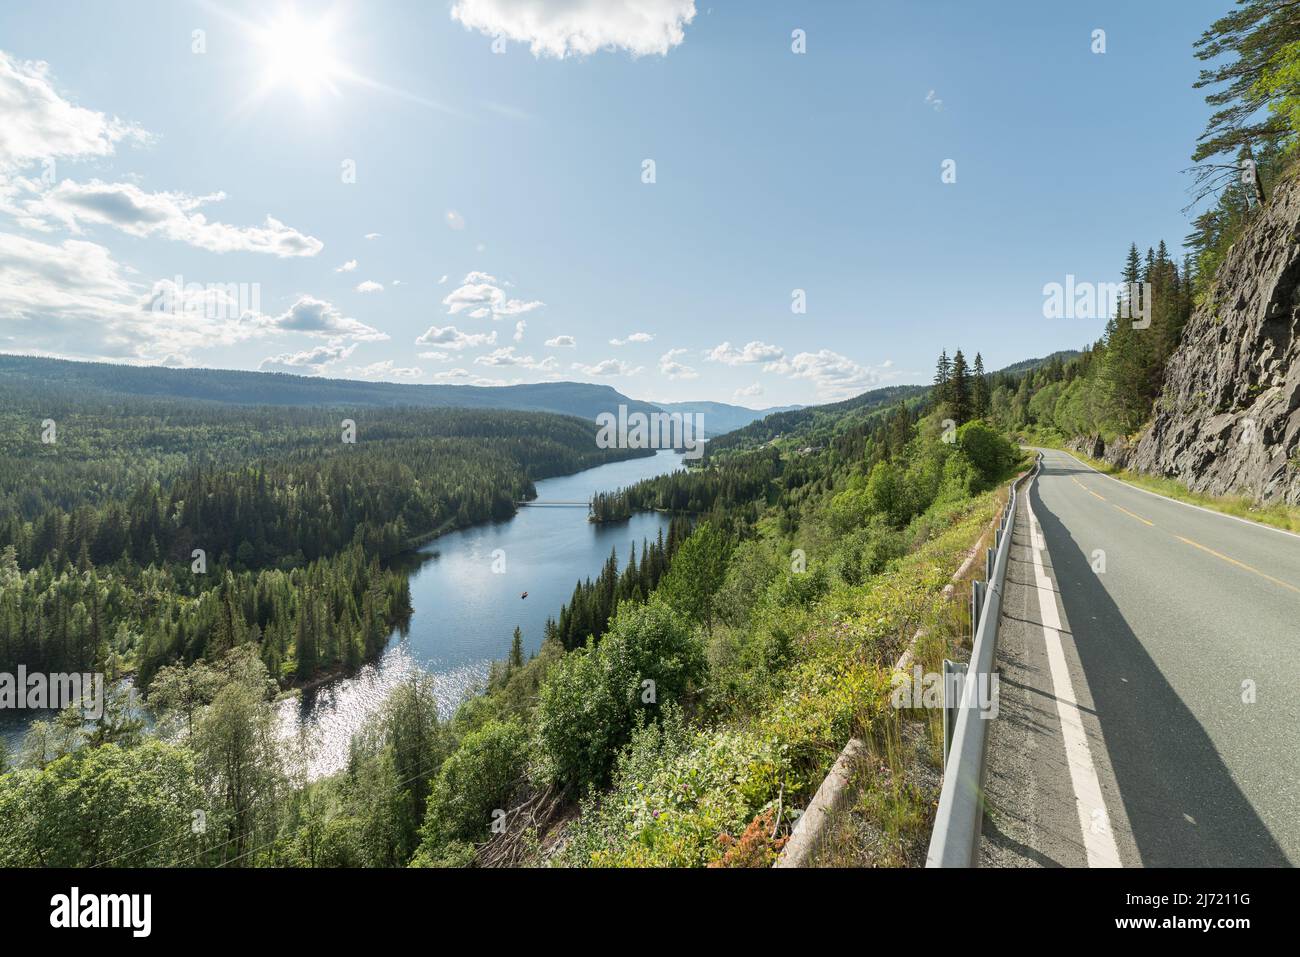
{"points": [[299, 53]]}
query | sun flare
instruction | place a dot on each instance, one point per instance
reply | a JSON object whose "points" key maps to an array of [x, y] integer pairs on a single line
{"points": [[299, 53]]}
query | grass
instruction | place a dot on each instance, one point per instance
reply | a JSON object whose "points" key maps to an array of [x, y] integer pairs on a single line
{"points": [[898, 780], [1279, 515]]}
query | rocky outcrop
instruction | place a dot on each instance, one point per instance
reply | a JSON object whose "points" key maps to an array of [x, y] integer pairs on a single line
{"points": [[1228, 420], [1118, 453], [1092, 446]]}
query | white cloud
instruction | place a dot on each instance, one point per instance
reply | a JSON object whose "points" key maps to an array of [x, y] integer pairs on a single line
{"points": [[452, 374], [370, 286], [449, 337], [561, 342], [454, 219], [442, 281], [373, 235], [482, 297], [311, 360], [348, 266], [634, 337], [386, 369], [173, 216], [752, 352], [316, 317], [561, 28], [748, 392], [669, 366], [520, 326], [40, 125], [508, 357], [74, 299], [608, 367], [835, 376]]}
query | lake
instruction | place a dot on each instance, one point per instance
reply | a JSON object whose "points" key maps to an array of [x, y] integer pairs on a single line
{"points": [[465, 613]]}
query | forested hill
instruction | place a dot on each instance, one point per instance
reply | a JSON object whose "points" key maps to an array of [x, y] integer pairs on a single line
{"points": [[719, 417], [817, 425], [585, 400], [279, 389]]}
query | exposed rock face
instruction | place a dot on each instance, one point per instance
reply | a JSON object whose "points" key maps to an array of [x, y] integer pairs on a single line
{"points": [[1228, 421], [1119, 453], [1092, 446]]}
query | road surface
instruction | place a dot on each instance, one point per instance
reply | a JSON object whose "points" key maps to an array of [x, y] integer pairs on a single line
{"points": [[1149, 706]]}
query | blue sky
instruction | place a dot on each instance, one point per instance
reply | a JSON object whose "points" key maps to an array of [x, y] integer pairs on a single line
{"points": [[129, 159]]}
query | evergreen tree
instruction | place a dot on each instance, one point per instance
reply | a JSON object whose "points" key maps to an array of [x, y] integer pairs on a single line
{"points": [[959, 389], [943, 373], [979, 389], [516, 659]]}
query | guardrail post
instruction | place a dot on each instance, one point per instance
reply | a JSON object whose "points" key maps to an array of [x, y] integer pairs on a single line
{"points": [[976, 606], [990, 556], [954, 674]]}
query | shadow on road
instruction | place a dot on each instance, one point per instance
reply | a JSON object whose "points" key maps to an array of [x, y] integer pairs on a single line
{"points": [[1181, 802]]}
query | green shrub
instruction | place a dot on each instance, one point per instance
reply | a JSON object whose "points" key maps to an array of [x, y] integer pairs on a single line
{"points": [[589, 705], [990, 453], [480, 777]]}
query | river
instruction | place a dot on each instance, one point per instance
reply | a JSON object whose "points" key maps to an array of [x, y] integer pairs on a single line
{"points": [[465, 613]]}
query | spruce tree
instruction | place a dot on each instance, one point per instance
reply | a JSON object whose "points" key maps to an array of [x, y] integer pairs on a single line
{"points": [[517, 650], [942, 375], [979, 389], [959, 389]]}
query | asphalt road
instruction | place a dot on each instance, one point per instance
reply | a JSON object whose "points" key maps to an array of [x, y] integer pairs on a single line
{"points": [[1149, 700]]}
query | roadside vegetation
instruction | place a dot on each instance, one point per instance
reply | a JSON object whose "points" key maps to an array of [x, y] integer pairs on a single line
{"points": [[686, 729]]}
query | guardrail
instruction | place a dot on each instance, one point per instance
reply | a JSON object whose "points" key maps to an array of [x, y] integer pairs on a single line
{"points": [[959, 819]]}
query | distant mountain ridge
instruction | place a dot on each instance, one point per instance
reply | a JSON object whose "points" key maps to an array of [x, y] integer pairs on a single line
{"points": [[720, 417], [236, 387]]}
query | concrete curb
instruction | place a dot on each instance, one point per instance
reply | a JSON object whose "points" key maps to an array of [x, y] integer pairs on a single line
{"points": [[834, 792]]}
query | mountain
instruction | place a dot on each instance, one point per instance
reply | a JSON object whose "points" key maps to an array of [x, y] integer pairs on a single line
{"points": [[276, 388], [1029, 365], [1228, 418], [719, 417], [815, 423]]}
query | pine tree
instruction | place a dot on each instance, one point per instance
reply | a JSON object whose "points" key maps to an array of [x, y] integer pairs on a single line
{"points": [[979, 389], [959, 389], [517, 650], [942, 375]]}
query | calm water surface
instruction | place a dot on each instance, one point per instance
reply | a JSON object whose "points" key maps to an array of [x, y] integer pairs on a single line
{"points": [[464, 614]]}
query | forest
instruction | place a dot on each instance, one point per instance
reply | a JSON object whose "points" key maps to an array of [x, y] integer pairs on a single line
{"points": [[704, 655], [149, 531], [681, 705]]}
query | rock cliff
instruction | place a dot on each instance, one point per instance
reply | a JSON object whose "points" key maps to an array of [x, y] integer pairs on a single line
{"points": [[1228, 420]]}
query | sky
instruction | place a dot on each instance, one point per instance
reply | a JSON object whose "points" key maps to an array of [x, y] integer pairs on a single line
{"points": [[764, 203]]}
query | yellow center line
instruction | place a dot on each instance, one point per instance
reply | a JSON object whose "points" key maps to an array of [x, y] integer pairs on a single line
{"points": [[1086, 489], [1233, 561], [1188, 541], [1130, 514]]}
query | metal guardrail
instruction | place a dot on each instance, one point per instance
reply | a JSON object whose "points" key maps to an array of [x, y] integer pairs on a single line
{"points": [[959, 819]]}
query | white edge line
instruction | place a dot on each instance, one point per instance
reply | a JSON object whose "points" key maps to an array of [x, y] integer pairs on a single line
{"points": [[1090, 804], [1200, 508]]}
